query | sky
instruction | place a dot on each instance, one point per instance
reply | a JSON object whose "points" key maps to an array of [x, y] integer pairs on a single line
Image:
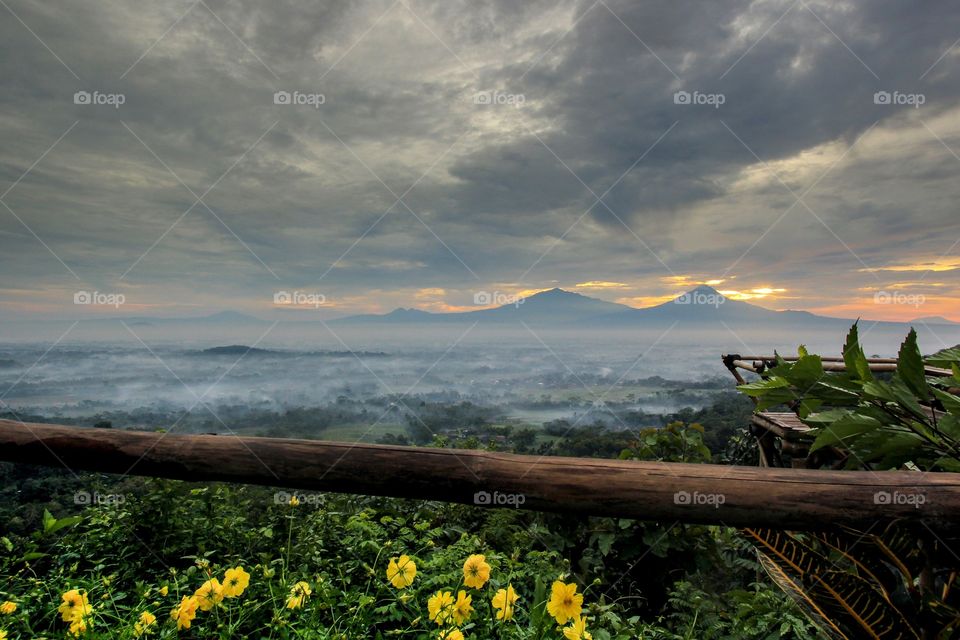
{"points": [[191, 156]]}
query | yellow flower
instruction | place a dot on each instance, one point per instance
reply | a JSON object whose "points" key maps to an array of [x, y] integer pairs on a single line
{"points": [[234, 582], [476, 571], [503, 602], [401, 571], [565, 602], [74, 605], [3, 635], [462, 608], [456, 634], [298, 595], [147, 620], [78, 626], [8, 607], [294, 501], [577, 630], [439, 607], [164, 591], [185, 612], [209, 595]]}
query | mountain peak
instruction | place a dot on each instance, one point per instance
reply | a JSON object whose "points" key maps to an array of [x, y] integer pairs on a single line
{"points": [[556, 292], [702, 294], [705, 289]]}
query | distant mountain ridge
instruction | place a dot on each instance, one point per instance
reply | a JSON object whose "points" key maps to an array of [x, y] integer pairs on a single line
{"points": [[706, 305], [221, 317], [701, 306], [554, 306], [934, 320]]}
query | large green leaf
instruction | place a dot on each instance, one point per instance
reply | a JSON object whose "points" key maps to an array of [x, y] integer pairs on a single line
{"points": [[849, 426], [945, 358], [52, 525], [808, 406], [910, 368], [770, 392], [950, 402], [906, 399], [879, 390], [805, 372], [758, 387], [844, 386], [826, 418], [887, 447], [854, 357], [949, 425]]}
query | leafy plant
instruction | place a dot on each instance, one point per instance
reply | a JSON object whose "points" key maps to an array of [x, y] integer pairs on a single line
{"points": [[881, 422], [898, 583]]}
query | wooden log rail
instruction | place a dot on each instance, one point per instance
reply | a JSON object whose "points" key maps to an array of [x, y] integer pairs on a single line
{"points": [[696, 493]]}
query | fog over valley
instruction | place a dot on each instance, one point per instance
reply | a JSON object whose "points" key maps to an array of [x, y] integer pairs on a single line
{"points": [[524, 364]]}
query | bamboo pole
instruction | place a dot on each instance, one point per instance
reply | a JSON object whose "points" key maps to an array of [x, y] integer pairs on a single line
{"points": [[757, 364], [735, 496]]}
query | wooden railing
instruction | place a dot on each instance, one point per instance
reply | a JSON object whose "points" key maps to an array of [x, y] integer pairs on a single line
{"points": [[734, 496]]}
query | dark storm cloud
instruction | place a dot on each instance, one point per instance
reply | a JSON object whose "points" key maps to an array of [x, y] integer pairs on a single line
{"points": [[494, 188], [611, 97]]}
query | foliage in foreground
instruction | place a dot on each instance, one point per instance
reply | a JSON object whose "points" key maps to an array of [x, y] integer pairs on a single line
{"points": [[906, 420], [328, 567], [897, 582]]}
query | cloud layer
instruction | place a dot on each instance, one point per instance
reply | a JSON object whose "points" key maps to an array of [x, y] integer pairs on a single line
{"points": [[445, 148]]}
